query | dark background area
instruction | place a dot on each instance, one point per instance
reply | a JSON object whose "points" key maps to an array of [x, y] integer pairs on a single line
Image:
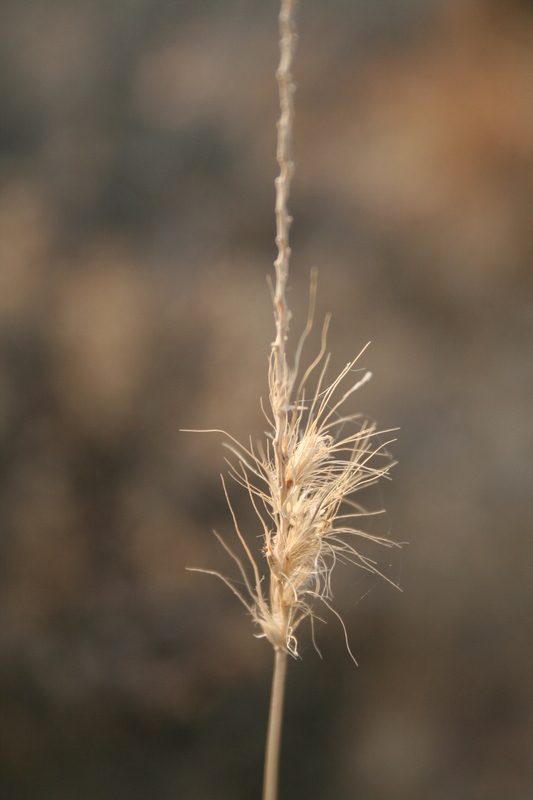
{"points": [[137, 142]]}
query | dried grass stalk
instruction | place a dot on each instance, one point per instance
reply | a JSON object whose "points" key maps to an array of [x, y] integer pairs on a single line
{"points": [[301, 484]]}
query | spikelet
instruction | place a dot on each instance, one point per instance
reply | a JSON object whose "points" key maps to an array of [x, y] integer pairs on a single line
{"points": [[301, 486]]}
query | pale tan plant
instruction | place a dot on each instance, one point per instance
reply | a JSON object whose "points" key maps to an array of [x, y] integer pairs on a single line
{"points": [[302, 482]]}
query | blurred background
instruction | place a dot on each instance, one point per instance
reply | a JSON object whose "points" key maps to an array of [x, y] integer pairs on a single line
{"points": [[137, 142]]}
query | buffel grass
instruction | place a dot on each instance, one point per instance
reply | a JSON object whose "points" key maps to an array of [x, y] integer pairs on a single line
{"points": [[303, 480]]}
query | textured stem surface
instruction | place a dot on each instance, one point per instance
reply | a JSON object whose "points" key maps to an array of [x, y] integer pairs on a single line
{"points": [[283, 222], [280, 384], [270, 782]]}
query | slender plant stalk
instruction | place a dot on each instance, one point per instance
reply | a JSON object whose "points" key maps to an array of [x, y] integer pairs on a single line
{"points": [[283, 222], [316, 457], [279, 360], [275, 717]]}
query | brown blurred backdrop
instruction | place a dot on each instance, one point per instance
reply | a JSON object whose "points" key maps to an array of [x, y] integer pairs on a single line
{"points": [[137, 164]]}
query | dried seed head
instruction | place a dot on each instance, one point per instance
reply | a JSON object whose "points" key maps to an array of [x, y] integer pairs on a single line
{"points": [[298, 484]]}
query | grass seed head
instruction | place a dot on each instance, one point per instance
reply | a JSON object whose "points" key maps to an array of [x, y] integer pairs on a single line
{"points": [[309, 470]]}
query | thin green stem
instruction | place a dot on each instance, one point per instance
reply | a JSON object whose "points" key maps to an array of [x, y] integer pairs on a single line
{"points": [[275, 717]]}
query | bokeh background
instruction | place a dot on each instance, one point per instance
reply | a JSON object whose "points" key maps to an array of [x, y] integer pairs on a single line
{"points": [[137, 144]]}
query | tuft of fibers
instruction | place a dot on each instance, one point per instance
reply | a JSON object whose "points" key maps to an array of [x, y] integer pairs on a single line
{"points": [[302, 483]]}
